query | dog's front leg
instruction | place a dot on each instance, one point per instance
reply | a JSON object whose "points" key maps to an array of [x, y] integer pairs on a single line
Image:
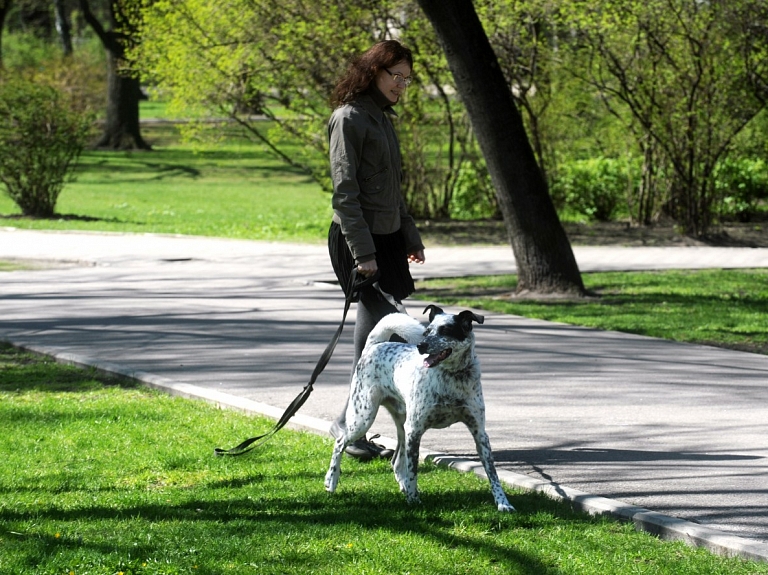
{"points": [[483, 444], [398, 460], [409, 484]]}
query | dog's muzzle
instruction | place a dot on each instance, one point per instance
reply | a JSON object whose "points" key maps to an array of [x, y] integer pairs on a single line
{"points": [[435, 353]]}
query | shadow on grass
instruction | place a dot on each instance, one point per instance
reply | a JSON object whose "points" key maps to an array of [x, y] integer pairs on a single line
{"points": [[287, 524], [24, 371], [172, 163], [141, 170]]}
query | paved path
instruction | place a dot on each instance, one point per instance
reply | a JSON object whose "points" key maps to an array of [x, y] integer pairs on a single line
{"points": [[615, 422]]}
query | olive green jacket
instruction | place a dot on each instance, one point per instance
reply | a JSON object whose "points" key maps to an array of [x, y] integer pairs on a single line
{"points": [[366, 172]]}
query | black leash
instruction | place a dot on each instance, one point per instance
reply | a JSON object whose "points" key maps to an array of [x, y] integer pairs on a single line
{"points": [[352, 293]]}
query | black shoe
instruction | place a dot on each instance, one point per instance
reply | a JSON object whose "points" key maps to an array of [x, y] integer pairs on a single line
{"points": [[365, 449]]}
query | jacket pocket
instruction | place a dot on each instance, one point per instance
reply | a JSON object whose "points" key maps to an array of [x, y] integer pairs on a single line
{"points": [[376, 179], [374, 190]]}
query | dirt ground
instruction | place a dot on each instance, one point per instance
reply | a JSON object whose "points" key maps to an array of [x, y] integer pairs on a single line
{"points": [[733, 234]]}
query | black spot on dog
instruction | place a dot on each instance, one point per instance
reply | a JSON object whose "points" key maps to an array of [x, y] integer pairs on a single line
{"points": [[454, 330]]}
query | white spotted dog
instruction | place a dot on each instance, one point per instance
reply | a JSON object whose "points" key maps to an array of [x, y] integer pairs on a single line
{"points": [[431, 382]]}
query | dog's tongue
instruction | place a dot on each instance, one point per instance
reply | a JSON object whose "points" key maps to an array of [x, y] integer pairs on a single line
{"points": [[434, 358]]}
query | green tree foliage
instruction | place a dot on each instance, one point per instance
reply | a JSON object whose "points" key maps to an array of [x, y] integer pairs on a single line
{"points": [[41, 138], [249, 60], [525, 38], [253, 60], [667, 84], [689, 73]]}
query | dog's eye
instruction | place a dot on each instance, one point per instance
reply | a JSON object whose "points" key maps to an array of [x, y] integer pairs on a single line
{"points": [[453, 331]]}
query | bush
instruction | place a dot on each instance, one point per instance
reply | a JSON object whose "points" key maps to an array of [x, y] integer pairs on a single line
{"points": [[82, 76], [473, 194], [593, 188], [41, 138], [741, 184]]}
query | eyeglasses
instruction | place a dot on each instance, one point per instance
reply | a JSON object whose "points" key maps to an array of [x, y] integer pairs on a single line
{"points": [[399, 78]]}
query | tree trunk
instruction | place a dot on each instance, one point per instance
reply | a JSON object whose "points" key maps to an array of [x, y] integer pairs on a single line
{"points": [[545, 261], [63, 27], [5, 6], [121, 129]]}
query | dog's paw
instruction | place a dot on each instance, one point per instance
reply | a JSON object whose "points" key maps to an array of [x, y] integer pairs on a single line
{"points": [[411, 494], [506, 508], [331, 481]]}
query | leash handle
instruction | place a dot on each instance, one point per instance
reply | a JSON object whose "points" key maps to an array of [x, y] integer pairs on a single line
{"points": [[353, 288]]}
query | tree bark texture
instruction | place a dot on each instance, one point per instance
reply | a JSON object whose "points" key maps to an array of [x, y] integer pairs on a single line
{"points": [[545, 261], [121, 130]]}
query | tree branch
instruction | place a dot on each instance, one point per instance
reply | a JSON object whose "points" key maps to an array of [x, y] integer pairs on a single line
{"points": [[108, 39]]}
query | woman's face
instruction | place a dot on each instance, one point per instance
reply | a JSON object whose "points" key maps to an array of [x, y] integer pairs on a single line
{"points": [[392, 81]]}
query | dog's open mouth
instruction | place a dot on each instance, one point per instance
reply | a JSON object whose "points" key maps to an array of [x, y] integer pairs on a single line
{"points": [[435, 358]]}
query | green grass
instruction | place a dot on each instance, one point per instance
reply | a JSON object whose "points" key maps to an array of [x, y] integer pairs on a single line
{"points": [[232, 189], [103, 478], [726, 308], [154, 109], [9, 266]]}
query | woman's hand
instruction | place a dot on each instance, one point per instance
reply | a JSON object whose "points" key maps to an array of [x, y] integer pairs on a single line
{"points": [[367, 268], [416, 257]]}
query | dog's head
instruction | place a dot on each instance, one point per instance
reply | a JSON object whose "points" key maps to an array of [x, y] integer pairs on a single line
{"points": [[446, 334]]}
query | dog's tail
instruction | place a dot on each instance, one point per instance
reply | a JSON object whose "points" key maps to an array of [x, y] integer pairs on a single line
{"points": [[399, 324]]}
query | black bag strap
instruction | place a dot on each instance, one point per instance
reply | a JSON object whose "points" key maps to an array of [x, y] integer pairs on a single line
{"points": [[352, 291]]}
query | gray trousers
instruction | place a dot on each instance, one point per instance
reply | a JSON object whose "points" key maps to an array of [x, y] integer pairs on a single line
{"points": [[370, 309]]}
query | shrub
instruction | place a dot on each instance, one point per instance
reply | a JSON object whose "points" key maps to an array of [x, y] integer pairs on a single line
{"points": [[41, 138], [593, 188], [473, 194], [82, 76], [741, 184]]}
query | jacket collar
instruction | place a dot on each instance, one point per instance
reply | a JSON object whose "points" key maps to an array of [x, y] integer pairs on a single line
{"points": [[369, 105]]}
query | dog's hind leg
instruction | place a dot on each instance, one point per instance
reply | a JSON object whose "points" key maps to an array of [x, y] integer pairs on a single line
{"points": [[351, 434], [483, 444], [361, 412], [334, 470]]}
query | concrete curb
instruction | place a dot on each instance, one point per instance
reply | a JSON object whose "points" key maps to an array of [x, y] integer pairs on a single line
{"points": [[663, 526]]}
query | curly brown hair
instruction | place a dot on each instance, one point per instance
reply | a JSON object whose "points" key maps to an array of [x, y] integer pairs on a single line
{"points": [[363, 69]]}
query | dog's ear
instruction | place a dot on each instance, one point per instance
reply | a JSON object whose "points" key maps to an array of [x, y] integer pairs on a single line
{"points": [[467, 317], [433, 311]]}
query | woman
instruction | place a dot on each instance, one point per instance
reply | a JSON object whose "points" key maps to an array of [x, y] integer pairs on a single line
{"points": [[371, 229]]}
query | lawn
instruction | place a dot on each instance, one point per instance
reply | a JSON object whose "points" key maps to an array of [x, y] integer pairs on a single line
{"points": [[726, 308], [102, 477], [232, 188]]}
